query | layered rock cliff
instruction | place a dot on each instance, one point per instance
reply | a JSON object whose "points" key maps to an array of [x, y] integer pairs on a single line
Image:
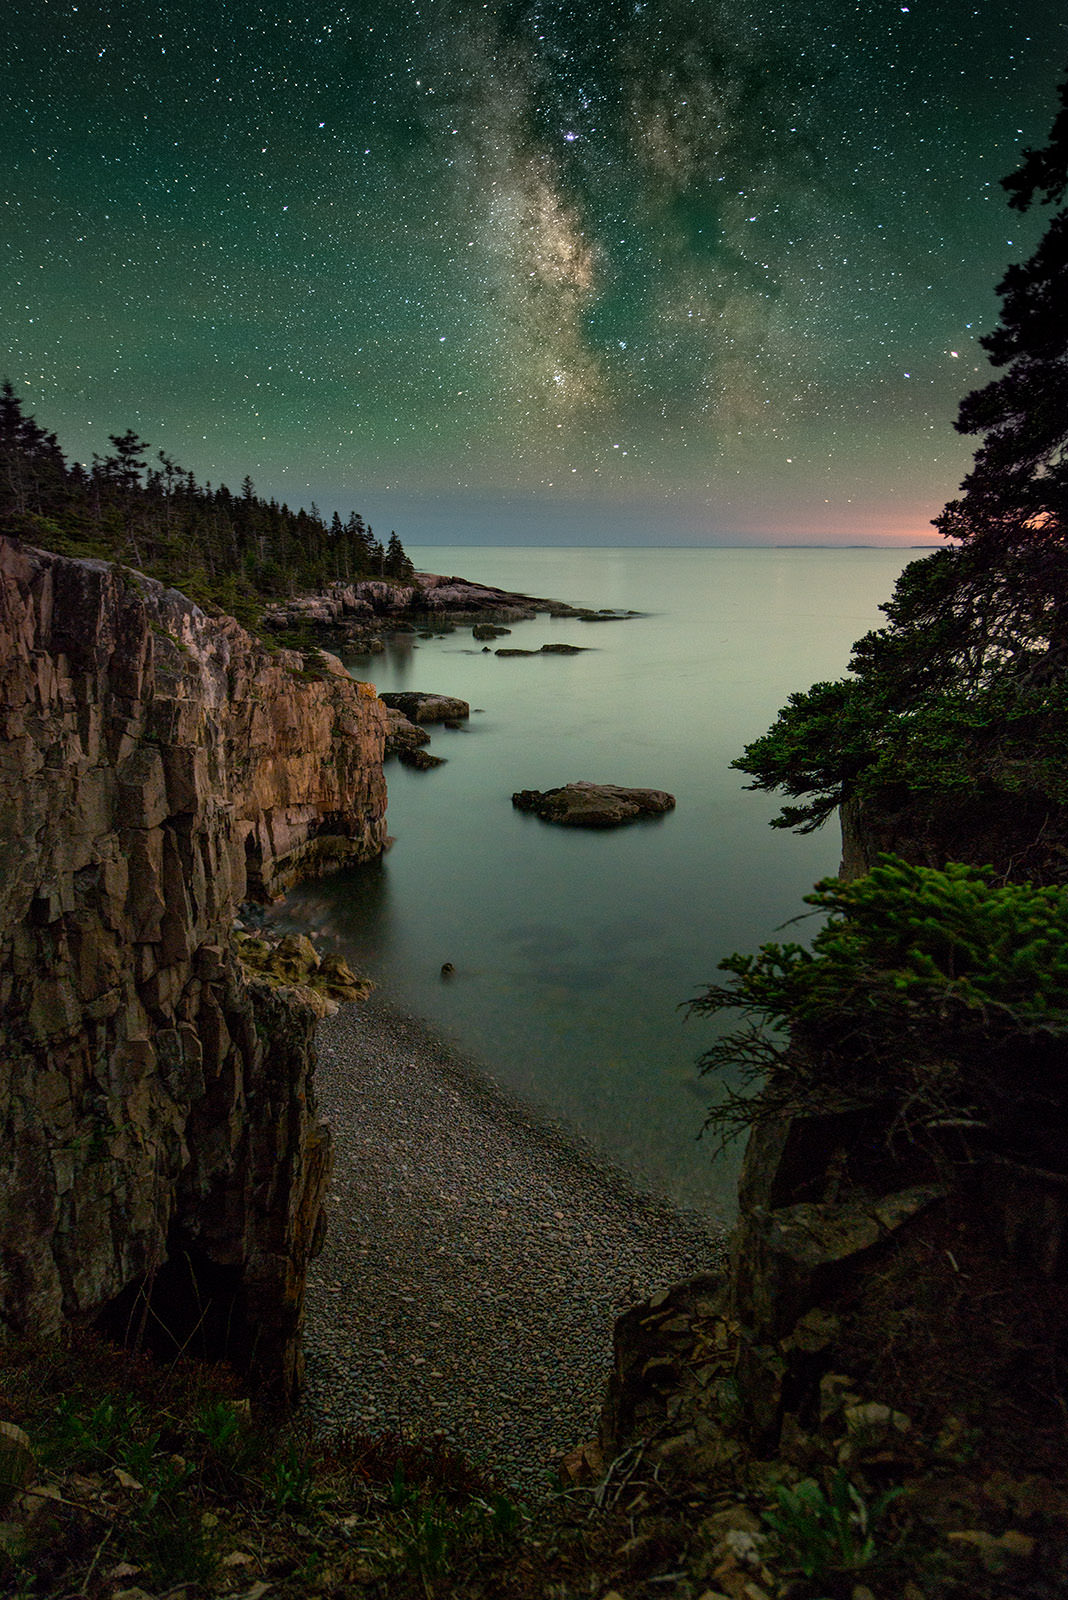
{"points": [[161, 1162]]}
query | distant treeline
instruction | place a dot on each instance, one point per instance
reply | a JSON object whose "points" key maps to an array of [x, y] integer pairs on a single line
{"points": [[232, 552]]}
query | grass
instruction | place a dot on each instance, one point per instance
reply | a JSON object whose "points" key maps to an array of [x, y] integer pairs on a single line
{"points": [[172, 1475]]}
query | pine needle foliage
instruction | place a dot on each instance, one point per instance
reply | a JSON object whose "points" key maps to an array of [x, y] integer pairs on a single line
{"points": [[936, 998]]}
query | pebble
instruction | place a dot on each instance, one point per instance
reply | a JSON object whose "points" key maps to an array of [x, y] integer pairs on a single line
{"points": [[466, 1230]]}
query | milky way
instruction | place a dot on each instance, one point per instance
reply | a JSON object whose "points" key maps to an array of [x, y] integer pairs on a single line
{"points": [[674, 272]]}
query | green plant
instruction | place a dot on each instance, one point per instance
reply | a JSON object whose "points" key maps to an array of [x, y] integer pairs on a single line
{"points": [[106, 1436], [400, 1492], [434, 1535], [168, 1528], [937, 997], [221, 1426], [288, 1480], [820, 1532]]}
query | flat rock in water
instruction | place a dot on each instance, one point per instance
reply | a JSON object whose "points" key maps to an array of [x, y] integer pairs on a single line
{"points": [[547, 650], [418, 707], [593, 805]]}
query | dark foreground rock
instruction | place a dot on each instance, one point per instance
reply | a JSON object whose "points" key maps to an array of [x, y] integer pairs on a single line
{"points": [[593, 805]]}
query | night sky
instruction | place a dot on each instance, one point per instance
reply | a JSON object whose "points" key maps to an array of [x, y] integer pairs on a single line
{"points": [[661, 271]]}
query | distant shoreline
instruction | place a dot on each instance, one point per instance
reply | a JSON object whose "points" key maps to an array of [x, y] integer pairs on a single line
{"points": [[666, 549]]}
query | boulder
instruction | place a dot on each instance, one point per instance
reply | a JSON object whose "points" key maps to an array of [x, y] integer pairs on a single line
{"points": [[401, 735], [420, 707], [593, 805], [421, 760]]}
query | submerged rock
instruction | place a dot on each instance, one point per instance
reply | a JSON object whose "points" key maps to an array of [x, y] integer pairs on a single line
{"points": [[593, 805], [547, 650]]}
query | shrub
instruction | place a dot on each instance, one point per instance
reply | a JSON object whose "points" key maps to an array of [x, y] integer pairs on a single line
{"points": [[937, 997]]}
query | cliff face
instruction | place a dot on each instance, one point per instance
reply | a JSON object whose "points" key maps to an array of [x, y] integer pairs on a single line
{"points": [[160, 1158], [1020, 835]]}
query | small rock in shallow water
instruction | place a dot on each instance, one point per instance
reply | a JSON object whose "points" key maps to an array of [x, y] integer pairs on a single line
{"points": [[593, 805]]}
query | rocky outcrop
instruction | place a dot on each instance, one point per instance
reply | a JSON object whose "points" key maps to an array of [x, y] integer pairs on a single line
{"points": [[356, 615], [421, 708], [430, 595], [593, 805], [161, 1162]]}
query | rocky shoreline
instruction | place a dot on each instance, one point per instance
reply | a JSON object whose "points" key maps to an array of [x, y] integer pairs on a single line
{"points": [[357, 618], [477, 1256]]}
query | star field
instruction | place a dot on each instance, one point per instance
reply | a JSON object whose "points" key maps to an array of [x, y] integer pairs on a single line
{"points": [[688, 271]]}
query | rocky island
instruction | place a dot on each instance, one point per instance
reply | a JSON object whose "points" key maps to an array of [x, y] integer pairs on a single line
{"points": [[593, 805]]}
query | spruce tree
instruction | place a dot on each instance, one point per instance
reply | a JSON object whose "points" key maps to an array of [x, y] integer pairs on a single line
{"points": [[1017, 490], [396, 564], [964, 692]]}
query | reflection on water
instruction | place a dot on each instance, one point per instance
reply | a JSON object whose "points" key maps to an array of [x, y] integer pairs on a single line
{"points": [[573, 950]]}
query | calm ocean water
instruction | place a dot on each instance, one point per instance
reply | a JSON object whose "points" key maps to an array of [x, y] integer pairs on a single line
{"points": [[573, 950]]}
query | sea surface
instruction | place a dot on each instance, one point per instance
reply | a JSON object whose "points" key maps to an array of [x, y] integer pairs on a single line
{"points": [[575, 951]]}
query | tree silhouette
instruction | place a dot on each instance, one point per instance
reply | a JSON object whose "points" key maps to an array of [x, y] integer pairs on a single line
{"points": [[1017, 490], [961, 700], [227, 551]]}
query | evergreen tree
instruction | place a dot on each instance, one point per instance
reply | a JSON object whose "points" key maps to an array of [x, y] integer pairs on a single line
{"points": [[123, 468], [396, 563], [963, 695], [31, 462], [362, 543], [1017, 490]]}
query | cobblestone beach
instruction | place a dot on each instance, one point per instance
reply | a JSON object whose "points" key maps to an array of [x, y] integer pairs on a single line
{"points": [[476, 1257]]}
